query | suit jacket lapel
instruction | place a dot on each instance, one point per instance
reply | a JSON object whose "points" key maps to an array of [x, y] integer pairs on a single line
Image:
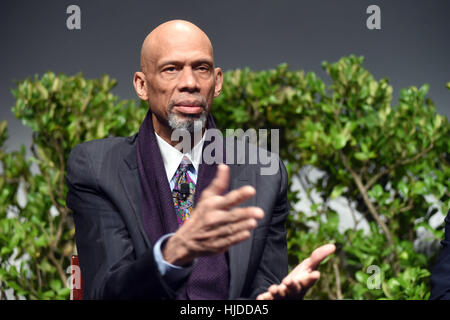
{"points": [[129, 176], [239, 254]]}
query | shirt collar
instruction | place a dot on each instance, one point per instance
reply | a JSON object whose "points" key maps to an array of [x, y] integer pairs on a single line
{"points": [[172, 157]]}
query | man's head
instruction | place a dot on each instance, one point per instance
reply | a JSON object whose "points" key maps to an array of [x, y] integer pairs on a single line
{"points": [[177, 76]]}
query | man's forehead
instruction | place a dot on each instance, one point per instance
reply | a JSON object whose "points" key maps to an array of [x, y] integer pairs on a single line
{"points": [[180, 44], [176, 40], [179, 55]]}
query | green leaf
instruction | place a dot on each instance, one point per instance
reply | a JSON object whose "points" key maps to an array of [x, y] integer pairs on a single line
{"points": [[376, 191], [55, 285], [41, 241], [424, 90], [337, 191], [361, 156], [339, 141], [418, 188], [4, 251], [403, 188]]}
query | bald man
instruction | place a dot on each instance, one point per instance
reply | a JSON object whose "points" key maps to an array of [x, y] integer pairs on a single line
{"points": [[156, 222]]}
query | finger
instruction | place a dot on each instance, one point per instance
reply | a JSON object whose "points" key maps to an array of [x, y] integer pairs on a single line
{"points": [[312, 262], [293, 286], [319, 254], [238, 214], [304, 266], [235, 197], [223, 217], [229, 229], [265, 296], [307, 280], [222, 244], [293, 290], [278, 291], [282, 291], [273, 289], [219, 184], [297, 288], [237, 237]]}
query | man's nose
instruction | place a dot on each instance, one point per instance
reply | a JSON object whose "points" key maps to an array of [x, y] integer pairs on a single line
{"points": [[188, 81]]}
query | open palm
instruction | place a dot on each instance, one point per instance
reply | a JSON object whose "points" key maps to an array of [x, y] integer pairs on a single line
{"points": [[301, 278]]}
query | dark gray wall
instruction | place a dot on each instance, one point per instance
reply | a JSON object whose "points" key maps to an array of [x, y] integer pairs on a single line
{"points": [[412, 47]]}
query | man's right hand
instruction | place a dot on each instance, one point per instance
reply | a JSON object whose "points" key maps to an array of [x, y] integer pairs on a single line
{"points": [[215, 224]]}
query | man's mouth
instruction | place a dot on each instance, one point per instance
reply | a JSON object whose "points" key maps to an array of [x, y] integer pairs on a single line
{"points": [[188, 108]]}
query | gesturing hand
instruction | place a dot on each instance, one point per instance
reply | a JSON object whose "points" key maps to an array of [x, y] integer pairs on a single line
{"points": [[214, 224], [298, 281]]}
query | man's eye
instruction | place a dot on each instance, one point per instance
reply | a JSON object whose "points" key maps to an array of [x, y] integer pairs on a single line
{"points": [[169, 69], [203, 68]]}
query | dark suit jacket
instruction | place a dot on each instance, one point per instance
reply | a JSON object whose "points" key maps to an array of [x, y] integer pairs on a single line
{"points": [[115, 254], [440, 276]]}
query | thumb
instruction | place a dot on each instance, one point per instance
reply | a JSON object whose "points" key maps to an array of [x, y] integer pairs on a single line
{"points": [[219, 184]]}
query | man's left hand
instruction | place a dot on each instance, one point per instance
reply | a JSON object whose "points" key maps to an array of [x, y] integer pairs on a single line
{"points": [[298, 281]]}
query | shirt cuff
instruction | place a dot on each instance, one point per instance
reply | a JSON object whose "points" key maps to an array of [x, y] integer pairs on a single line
{"points": [[171, 273]]}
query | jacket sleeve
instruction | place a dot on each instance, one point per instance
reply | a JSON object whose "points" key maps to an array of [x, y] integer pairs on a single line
{"points": [[274, 261], [108, 262], [440, 276]]}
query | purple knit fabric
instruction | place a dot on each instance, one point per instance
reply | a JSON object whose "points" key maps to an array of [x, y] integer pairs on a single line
{"points": [[210, 276]]}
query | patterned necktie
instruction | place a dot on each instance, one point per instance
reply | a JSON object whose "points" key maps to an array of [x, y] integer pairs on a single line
{"points": [[182, 200]]}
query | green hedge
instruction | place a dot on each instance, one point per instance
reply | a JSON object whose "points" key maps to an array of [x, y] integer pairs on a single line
{"points": [[385, 159]]}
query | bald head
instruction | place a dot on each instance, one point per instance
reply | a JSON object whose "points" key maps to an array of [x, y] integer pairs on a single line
{"points": [[172, 35]]}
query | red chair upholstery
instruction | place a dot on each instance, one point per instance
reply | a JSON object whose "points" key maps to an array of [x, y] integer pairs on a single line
{"points": [[76, 290]]}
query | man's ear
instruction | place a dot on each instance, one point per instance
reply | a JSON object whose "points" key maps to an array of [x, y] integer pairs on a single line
{"points": [[140, 85], [219, 81]]}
